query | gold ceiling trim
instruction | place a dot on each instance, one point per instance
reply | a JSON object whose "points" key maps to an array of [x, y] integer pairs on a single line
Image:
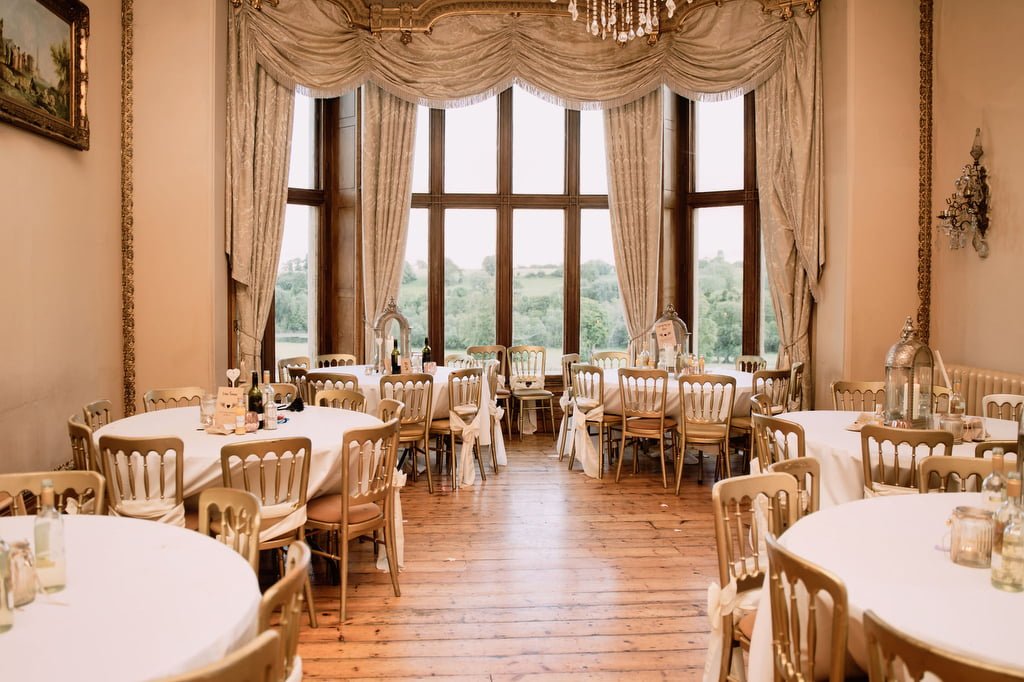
{"points": [[408, 18], [127, 208], [924, 178]]}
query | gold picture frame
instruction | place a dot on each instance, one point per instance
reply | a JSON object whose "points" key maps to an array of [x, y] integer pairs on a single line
{"points": [[43, 71]]}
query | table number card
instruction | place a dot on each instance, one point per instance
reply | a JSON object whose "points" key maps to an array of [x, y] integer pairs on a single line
{"points": [[406, 366], [227, 398], [665, 333]]}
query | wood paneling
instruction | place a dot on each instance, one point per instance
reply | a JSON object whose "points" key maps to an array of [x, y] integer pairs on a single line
{"points": [[538, 572]]}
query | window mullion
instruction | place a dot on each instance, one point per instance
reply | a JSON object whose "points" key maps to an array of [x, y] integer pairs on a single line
{"points": [[571, 267], [503, 251]]}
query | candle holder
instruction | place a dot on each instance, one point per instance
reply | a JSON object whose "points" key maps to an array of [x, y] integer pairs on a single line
{"points": [[908, 381]]}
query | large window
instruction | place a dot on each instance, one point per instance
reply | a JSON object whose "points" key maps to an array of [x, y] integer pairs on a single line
{"points": [[510, 206], [729, 302]]}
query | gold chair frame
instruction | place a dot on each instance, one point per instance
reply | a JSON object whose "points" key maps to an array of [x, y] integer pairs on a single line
{"points": [[588, 386], [1002, 406], [530, 362], [773, 384], [285, 600], [416, 391], [644, 397], [776, 440], [984, 448], [460, 361], [335, 360], [232, 517], [83, 449], [750, 363], [315, 381], [340, 398], [705, 418], [166, 398], [796, 387], [946, 468], [257, 661], [610, 359], [807, 472], [795, 638], [285, 365], [284, 392], [499, 353], [86, 487], [388, 409], [97, 413], [465, 388], [859, 396], [913, 438], [568, 361], [115, 449]]}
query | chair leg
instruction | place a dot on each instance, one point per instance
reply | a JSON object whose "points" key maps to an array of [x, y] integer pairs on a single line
{"points": [[391, 551], [661, 447], [700, 464], [426, 457], [572, 450], [622, 456], [725, 456], [454, 462], [551, 419], [600, 450], [343, 570], [565, 435], [478, 454], [680, 459], [308, 587], [494, 452]]}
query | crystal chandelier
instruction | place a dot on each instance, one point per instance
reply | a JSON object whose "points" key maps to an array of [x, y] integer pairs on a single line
{"points": [[622, 20]]}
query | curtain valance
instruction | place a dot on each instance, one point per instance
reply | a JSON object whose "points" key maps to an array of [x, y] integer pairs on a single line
{"points": [[716, 53]]}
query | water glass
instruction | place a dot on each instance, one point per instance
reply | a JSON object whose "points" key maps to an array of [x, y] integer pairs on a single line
{"points": [[970, 542], [207, 409]]}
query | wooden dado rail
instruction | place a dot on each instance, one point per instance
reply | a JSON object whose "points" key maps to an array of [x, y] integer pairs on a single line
{"points": [[977, 382]]}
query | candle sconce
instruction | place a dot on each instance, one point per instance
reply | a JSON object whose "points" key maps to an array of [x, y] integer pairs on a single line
{"points": [[967, 209]]}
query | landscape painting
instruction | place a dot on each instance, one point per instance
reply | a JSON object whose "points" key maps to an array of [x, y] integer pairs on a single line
{"points": [[42, 67]]}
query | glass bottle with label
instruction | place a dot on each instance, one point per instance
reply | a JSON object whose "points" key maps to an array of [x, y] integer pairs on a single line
{"points": [[49, 535], [396, 359], [269, 405], [1008, 543], [957, 406], [426, 351], [255, 398], [993, 488]]}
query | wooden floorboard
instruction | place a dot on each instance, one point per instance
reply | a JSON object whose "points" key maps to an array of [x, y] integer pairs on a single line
{"points": [[539, 573]]}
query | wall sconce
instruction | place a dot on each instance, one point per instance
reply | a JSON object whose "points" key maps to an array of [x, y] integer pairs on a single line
{"points": [[967, 209]]}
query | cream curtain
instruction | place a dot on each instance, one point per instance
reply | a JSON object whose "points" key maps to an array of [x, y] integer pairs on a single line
{"points": [[389, 128], [259, 130], [633, 143]]}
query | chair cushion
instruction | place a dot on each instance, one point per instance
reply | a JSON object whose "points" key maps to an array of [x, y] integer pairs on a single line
{"points": [[533, 393], [502, 393], [746, 625], [741, 424], [465, 412], [704, 431], [411, 432], [327, 509], [648, 423]]}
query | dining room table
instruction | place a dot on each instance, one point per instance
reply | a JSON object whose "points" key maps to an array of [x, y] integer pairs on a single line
{"points": [[741, 397], [892, 554], [142, 601], [833, 438]]}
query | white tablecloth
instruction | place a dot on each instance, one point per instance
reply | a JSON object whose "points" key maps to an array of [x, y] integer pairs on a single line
{"points": [[369, 385], [143, 600], [842, 474], [886, 551], [741, 401]]}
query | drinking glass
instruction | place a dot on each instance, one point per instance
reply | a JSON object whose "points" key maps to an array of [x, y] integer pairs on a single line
{"points": [[970, 541], [207, 408]]}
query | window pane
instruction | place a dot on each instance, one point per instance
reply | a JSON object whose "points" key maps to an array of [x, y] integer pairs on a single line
{"points": [[718, 299], [302, 168], [602, 322], [412, 292], [538, 145], [469, 276], [718, 143], [538, 271], [471, 148], [295, 293], [421, 152], [593, 165], [769, 325]]}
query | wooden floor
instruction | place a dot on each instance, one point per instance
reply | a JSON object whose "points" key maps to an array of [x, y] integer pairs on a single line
{"points": [[536, 573]]}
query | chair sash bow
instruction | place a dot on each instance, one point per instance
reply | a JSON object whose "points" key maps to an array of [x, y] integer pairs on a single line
{"points": [[582, 443], [470, 431]]}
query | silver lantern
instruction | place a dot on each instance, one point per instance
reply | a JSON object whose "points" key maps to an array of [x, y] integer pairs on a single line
{"points": [[908, 381]]}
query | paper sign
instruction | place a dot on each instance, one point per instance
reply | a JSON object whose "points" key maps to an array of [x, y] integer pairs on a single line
{"points": [[406, 366], [227, 398], [665, 333]]}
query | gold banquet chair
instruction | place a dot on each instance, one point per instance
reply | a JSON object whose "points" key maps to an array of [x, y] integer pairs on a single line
{"points": [[568, 361], [416, 391], [282, 605], [1002, 406], [610, 359], [166, 398], [881, 444], [139, 484], [750, 363], [257, 661], [796, 387], [644, 395], [858, 396], [83, 451], [502, 394], [276, 471], [284, 392], [526, 367], [950, 474], [588, 393], [75, 492], [285, 365], [340, 398], [794, 585], [389, 408], [464, 393], [232, 517], [364, 503], [335, 360], [323, 380], [705, 419], [776, 439], [886, 645], [807, 472], [97, 413]]}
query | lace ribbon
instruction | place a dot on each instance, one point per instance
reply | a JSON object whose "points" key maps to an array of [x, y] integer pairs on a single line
{"points": [[584, 446], [470, 432]]}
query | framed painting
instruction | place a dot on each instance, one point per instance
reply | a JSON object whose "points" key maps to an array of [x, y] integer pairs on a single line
{"points": [[43, 74]]}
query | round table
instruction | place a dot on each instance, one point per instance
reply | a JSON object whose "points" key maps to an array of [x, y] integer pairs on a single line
{"points": [[887, 552], [324, 426], [827, 438], [143, 600]]}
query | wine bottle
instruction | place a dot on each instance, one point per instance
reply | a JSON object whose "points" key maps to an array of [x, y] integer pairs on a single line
{"points": [[49, 533], [1008, 543], [256, 398], [426, 350], [396, 359], [993, 488], [269, 406]]}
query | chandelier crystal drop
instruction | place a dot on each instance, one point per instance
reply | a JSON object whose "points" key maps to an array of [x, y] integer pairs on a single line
{"points": [[621, 20]]}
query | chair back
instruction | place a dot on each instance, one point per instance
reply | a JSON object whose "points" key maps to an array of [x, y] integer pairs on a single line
{"points": [[526, 366], [340, 398], [491, 374], [796, 387], [369, 455], [776, 439], [75, 492], [859, 396], [588, 383], [316, 381], [164, 398], [388, 409], [493, 352], [335, 360], [795, 585], [464, 390], [83, 453], [984, 449], [276, 471], [297, 376], [232, 517], [738, 503], [461, 361], [706, 399], [282, 604], [643, 393], [773, 383], [97, 414], [416, 391], [886, 469], [142, 470], [1002, 406], [751, 363], [284, 392], [286, 365], [807, 472], [610, 359], [940, 399], [760, 404], [568, 360], [887, 646], [950, 474], [257, 661]]}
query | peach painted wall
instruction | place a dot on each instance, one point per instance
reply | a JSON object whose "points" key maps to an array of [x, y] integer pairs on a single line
{"points": [[60, 268], [870, 62], [180, 268], [976, 304]]}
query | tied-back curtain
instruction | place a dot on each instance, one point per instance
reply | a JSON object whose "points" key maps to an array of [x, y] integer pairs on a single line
{"points": [[259, 137], [791, 193], [389, 129], [633, 140]]}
